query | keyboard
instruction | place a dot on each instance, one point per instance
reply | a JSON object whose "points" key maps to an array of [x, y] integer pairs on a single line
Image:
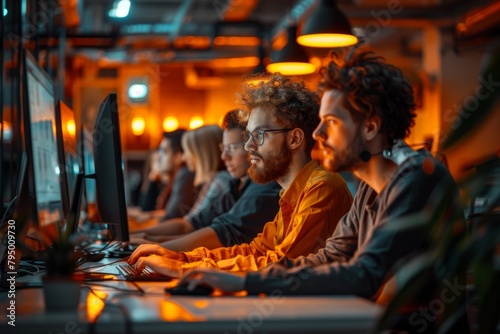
{"points": [[128, 273]]}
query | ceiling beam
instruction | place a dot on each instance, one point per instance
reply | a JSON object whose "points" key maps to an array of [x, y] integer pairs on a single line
{"points": [[238, 10], [179, 19]]}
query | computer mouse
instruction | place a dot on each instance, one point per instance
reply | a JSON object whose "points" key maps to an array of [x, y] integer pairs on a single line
{"points": [[94, 257], [182, 290]]}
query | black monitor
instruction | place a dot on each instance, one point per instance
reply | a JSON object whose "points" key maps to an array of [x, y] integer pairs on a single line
{"points": [[69, 164], [110, 189], [13, 230], [39, 117]]}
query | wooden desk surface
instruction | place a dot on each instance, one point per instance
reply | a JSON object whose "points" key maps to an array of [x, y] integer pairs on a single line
{"points": [[156, 312]]}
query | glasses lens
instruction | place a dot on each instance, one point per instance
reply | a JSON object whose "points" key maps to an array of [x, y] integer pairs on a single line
{"points": [[259, 137]]}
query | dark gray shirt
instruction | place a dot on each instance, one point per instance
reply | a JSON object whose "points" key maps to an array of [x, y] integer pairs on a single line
{"points": [[368, 241], [239, 214]]}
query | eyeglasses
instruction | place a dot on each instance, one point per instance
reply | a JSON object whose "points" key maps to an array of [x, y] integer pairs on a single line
{"points": [[258, 135], [231, 148]]}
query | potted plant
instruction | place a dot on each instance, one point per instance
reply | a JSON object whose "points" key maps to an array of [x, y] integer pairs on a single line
{"points": [[60, 285]]}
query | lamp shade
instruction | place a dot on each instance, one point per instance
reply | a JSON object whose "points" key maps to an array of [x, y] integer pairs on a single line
{"points": [[327, 27], [292, 59]]}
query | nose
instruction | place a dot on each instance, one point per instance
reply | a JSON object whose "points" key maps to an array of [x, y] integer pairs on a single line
{"points": [[224, 155], [250, 145], [319, 133]]}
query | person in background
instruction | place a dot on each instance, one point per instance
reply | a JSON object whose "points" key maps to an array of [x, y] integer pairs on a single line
{"points": [[202, 156], [282, 116], [367, 109], [178, 194], [152, 182], [233, 218]]}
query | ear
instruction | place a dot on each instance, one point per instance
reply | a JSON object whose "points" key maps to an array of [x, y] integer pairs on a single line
{"points": [[296, 138], [371, 127], [178, 158]]}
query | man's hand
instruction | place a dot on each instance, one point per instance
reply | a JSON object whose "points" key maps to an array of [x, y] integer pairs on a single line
{"points": [[160, 264], [214, 278], [150, 249]]}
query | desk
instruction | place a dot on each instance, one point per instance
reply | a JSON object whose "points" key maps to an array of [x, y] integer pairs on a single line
{"points": [[156, 312]]}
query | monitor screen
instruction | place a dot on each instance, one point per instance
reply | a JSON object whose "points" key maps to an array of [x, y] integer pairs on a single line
{"points": [[110, 189], [13, 230], [41, 145], [67, 151]]}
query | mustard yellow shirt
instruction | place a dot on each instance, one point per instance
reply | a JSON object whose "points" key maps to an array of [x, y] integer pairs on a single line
{"points": [[309, 212]]}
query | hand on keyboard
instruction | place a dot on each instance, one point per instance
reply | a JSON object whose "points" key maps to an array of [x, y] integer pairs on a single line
{"points": [[160, 264], [130, 273]]}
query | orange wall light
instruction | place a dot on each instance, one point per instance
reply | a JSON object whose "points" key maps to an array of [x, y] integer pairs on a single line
{"points": [[138, 125], [170, 123], [196, 122], [71, 128]]}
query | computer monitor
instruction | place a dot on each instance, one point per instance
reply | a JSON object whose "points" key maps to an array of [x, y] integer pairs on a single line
{"points": [[110, 189], [39, 117], [69, 165], [13, 230]]}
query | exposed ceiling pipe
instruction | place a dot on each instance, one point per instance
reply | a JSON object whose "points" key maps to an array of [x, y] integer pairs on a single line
{"points": [[179, 19], [479, 22]]}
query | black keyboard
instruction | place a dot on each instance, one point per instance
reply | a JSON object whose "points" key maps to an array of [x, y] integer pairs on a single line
{"points": [[147, 274]]}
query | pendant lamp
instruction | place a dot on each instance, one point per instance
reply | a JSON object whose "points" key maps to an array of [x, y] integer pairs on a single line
{"points": [[327, 27], [292, 59]]}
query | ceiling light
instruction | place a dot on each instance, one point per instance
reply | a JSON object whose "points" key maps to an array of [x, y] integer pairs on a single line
{"points": [[327, 27], [137, 91], [5, 11], [292, 59], [120, 9]]}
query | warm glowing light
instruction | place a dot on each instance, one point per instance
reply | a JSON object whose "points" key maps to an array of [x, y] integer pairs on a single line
{"points": [[236, 41], [95, 304], [170, 123], [196, 122], [291, 68], [172, 311], [327, 40], [237, 62], [138, 125], [71, 127]]}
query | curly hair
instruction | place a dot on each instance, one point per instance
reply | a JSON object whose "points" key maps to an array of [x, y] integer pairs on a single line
{"points": [[231, 121], [293, 104], [372, 87]]}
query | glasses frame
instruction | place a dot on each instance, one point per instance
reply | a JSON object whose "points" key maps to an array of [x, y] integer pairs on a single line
{"points": [[260, 133], [231, 148]]}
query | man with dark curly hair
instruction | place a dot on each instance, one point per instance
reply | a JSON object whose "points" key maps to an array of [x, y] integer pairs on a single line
{"points": [[366, 110], [281, 115]]}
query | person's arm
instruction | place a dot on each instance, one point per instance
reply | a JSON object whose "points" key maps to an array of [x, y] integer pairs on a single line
{"points": [[205, 237], [169, 227]]}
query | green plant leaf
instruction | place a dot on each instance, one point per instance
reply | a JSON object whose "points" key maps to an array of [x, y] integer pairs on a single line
{"points": [[419, 273], [468, 120]]}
